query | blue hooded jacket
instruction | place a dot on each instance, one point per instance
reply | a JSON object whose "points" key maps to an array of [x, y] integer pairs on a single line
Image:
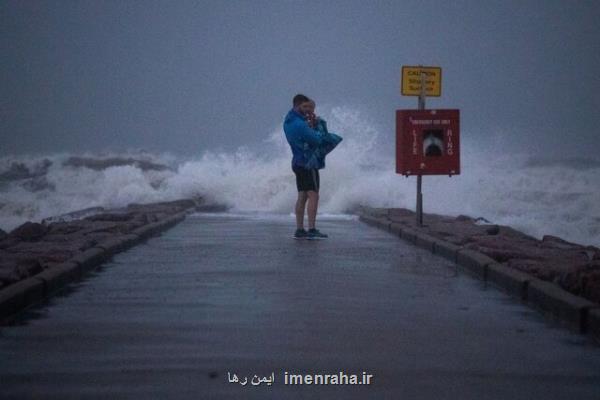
{"points": [[329, 142], [302, 138]]}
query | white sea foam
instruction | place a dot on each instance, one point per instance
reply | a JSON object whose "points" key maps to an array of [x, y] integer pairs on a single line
{"points": [[552, 197]]}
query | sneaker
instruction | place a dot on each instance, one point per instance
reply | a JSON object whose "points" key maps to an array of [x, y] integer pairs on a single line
{"points": [[300, 234], [315, 234]]}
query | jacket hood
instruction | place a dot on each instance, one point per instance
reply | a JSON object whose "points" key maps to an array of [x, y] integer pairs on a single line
{"points": [[291, 115]]}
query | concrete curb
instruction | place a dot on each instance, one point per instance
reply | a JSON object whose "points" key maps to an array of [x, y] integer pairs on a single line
{"points": [[425, 241], [574, 312], [593, 324], [446, 249], [567, 308], [153, 228], [118, 244], [144, 232], [58, 276], [28, 292], [396, 229], [474, 262], [20, 295], [90, 259], [511, 280], [409, 234], [367, 219], [374, 221]]}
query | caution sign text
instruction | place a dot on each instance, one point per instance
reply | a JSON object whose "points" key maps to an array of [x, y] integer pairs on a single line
{"points": [[411, 81]]}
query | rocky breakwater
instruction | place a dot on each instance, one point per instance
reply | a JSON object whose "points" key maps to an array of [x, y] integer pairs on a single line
{"points": [[37, 259], [555, 275]]}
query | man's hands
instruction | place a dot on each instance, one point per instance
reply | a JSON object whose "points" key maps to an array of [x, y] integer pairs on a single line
{"points": [[311, 120]]}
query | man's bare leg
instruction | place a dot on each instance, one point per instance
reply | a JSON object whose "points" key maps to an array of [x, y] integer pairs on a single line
{"points": [[300, 204], [313, 204]]}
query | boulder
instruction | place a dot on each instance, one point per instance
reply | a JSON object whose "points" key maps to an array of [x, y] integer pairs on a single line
{"points": [[43, 251], [465, 218], [400, 213], [8, 242], [64, 228], [8, 275], [549, 241], [73, 215], [29, 231], [492, 230], [19, 269], [28, 267], [141, 218], [100, 226], [114, 217], [591, 287]]}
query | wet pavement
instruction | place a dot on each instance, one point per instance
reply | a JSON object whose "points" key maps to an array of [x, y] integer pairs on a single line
{"points": [[218, 295]]}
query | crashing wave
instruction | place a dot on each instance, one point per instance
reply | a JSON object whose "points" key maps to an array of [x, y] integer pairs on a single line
{"points": [[561, 198]]}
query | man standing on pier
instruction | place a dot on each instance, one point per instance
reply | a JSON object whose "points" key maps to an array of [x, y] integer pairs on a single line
{"points": [[303, 140]]}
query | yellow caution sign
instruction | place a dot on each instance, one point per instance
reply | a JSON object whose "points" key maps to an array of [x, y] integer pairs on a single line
{"points": [[411, 81]]}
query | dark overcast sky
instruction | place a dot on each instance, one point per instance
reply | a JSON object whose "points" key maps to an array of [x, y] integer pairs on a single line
{"points": [[183, 76]]}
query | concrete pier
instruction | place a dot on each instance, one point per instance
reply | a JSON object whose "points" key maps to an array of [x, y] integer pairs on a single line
{"points": [[223, 294]]}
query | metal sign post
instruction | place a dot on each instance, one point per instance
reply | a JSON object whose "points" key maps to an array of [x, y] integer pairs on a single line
{"points": [[419, 207], [420, 81]]}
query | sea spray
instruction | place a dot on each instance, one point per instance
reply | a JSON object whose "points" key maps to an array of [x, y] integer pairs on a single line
{"points": [[539, 196]]}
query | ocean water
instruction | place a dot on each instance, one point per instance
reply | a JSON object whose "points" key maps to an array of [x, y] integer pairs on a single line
{"points": [[531, 193]]}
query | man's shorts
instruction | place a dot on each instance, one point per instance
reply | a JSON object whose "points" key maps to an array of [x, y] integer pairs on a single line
{"points": [[306, 179]]}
